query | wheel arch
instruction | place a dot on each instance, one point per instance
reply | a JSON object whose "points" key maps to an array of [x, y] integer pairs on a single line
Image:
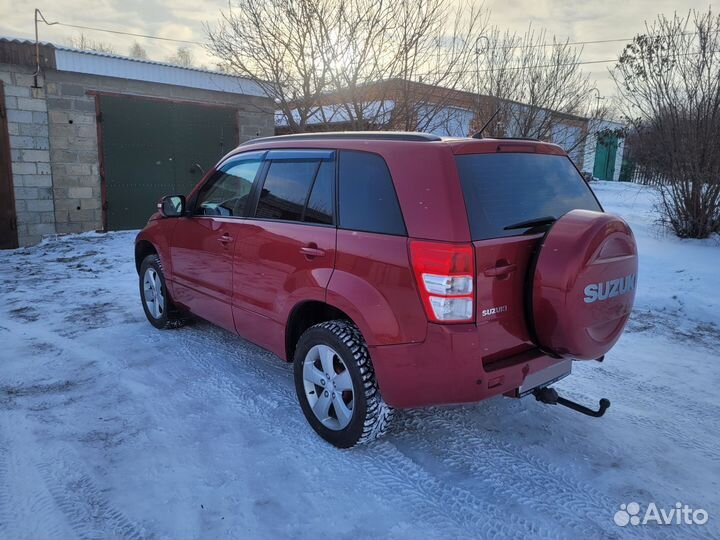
{"points": [[143, 248], [304, 315]]}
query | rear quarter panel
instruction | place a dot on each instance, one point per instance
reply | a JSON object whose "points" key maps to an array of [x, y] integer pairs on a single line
{"points": [[374, 285], [428, 188]]}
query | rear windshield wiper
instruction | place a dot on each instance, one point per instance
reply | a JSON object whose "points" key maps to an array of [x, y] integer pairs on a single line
{"points": [[537, 222]]}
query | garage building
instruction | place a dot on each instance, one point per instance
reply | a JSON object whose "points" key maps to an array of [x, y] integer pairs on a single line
{"points": [[90, 141]]}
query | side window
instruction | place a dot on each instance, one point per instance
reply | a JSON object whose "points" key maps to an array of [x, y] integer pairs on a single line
{"points": [[228, 192], [298, 190], [285, 189], [320, 204], [367, 196]]}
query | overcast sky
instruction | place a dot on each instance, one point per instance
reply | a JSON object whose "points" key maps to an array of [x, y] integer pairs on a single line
{"points": [[578, 20]]}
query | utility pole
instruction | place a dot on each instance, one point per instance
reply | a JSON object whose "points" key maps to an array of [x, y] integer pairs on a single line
{"points": [[597, 100]]}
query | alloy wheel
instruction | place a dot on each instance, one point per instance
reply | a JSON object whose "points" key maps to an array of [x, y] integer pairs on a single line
{"points": [[153, 293], [328, 387]]}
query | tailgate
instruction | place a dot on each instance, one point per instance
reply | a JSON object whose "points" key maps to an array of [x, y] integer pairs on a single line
{"points": [[502, 266], [505, 194]]}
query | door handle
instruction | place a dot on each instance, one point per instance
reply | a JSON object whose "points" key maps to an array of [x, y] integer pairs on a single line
{"points": [[225, 239], [311, 252], [503, 270]]}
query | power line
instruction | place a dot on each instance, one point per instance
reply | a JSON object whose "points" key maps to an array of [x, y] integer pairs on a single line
{"points": [[122, 33], [515, 68], [189, 42], [520, 68], [591, 42]]}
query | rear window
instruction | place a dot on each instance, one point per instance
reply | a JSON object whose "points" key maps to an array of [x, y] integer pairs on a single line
{"points": [[505, 189]]}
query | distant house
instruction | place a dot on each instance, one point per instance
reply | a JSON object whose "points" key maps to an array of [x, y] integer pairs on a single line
{"points": [[90, 141], [405, 105]]}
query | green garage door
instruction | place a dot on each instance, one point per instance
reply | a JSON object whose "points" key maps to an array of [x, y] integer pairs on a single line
{"points": [[152, 148]]}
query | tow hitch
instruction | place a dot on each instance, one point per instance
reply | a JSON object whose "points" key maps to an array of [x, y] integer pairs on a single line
{"points": [[550, 397]]}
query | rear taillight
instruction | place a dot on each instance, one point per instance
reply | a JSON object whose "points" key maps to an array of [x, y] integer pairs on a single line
{"points": [[445, 274]]}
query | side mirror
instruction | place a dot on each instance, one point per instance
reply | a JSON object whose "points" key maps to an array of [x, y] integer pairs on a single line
{"points": [[172, 206]]}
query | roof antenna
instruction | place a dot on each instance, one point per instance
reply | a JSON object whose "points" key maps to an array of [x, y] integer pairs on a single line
{"points": [[479, 134]]}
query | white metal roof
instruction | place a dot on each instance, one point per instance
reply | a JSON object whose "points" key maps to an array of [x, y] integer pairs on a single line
{"points": [[109, 65], [378, 111], [113, 65]]}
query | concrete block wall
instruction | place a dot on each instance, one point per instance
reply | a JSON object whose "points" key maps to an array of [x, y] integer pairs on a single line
{"points": [[74, 156], [73, 135], [27, 119], [54, 144], [255, 124]]}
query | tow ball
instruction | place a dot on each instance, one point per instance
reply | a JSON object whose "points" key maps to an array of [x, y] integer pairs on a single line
{"points": [[550, 397]]}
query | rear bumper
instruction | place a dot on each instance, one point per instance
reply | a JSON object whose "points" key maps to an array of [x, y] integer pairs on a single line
{"points": [[447, 368]]}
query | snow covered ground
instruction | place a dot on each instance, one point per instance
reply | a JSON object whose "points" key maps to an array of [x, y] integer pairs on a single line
{"points": [[110, 428]]}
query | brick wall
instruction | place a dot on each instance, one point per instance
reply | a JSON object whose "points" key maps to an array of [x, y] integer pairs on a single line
{"points": [[30, 154]]}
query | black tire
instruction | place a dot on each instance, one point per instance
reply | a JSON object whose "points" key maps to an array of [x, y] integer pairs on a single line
{"points": [[370, 414], [169, 316]]}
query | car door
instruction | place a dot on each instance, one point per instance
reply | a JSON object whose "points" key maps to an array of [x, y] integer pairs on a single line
{"points": [[203, 242], [286, 252]]}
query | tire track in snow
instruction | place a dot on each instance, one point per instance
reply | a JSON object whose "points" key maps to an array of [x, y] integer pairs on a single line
{"points": [[644, 397], [513, 475], [32, 506], [88, 511], [476, 515], [453, 508], [535, 483]]}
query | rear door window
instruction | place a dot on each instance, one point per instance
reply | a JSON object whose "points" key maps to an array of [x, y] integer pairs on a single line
{"points": [[298, 186], [508, 188], [367, 199], [285, 190]]}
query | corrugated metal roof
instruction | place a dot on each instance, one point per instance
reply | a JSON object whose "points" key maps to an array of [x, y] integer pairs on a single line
{"points": [[21, 52], [113, 65]]}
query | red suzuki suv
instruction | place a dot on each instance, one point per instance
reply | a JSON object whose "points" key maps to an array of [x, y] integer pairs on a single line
{"points": [[396, 269]]}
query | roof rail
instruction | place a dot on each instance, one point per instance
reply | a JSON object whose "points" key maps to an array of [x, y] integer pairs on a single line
{"points": [[516, 139], [374, 135]]}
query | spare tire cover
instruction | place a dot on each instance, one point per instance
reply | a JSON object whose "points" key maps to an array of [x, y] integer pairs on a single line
{"points": [[583, 285]]}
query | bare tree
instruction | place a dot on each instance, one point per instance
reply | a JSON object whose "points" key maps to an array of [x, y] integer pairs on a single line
{"points": [[536, 85], [669, 83], [84, 43], [278, 43], [388, 47], [347, 47], [182, 57], [138, 51]]}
